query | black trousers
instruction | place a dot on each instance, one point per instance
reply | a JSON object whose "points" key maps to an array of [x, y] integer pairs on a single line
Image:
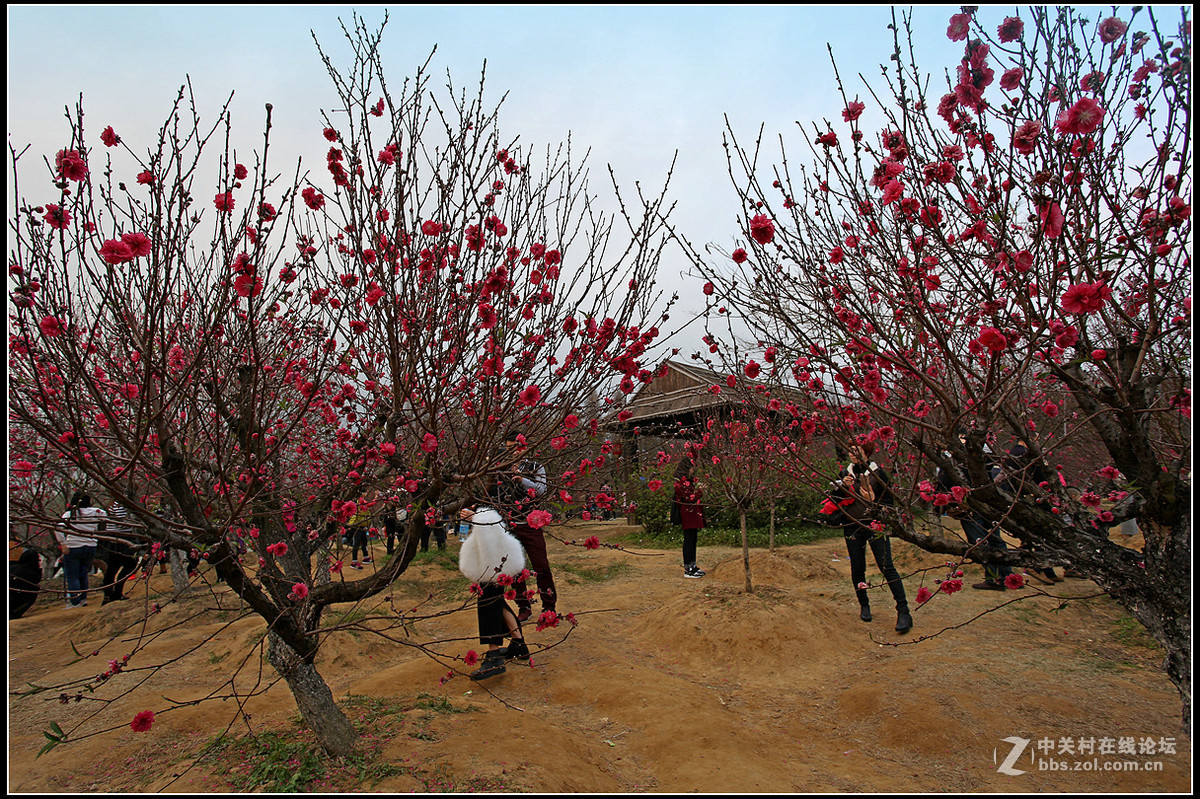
{"points": [[858, 538], [491, 608]]}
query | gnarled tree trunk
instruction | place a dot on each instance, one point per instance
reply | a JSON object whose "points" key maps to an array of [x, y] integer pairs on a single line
{"points": [[321, 714]]}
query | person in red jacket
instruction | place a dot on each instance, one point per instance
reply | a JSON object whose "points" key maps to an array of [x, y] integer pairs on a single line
{"points": [[688, 513]]}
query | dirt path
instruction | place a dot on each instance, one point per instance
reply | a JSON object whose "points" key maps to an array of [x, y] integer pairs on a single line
{"points": [[666, 685]]}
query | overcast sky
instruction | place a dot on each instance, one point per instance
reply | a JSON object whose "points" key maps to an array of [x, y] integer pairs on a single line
{"points": [[633, 83]]}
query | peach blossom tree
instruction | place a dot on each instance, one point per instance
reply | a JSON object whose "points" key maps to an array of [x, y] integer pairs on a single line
{"points": [[247, 360], [1002, 251]]}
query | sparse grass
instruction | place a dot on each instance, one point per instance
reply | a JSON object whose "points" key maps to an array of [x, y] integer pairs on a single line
{"points": [[595, 575], [758, 537]]}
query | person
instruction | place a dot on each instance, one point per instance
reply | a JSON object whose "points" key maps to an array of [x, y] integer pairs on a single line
{"points": [[514, 494], [688, 512], [76, 535], [116, 549], [357, 531], [491, 558], [978, 531], [438, 531], [862, 489], [1021, 471], [24, 579]]}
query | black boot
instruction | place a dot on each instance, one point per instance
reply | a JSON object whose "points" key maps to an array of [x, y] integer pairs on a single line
{"points": [[516, 650], [864, 612], [493, 664], [903, 620]]}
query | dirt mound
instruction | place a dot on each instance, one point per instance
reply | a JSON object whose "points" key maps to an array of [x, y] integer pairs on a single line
{"points": [[667, 684]]}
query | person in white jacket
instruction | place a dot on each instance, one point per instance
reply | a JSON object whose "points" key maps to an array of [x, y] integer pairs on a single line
{"points": [[76, 536]]}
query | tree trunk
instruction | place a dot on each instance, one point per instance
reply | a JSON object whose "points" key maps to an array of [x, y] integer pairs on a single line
{"points": [[772, 533], [321, 714], [745, 550], [179, 571]]}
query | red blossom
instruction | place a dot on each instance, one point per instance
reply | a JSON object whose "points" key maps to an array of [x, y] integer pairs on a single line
{"points": [[739, 256], [960, 26], [1011, 29], [592, 543], [1084, 298], [1052, 219], [50, 326], [56, 217], [110, 138], [142, 721], [70, 165], [471, 658], [530, 396], [923, 595], [950, 586], [852, 111], [762, 229], [145, 178], [1012, 79], [1080, 119], [224, 201], [1112, 29], [1014, 581], [312, 198]]}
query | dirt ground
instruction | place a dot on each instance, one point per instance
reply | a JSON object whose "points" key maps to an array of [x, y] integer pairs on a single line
{"points": [[667, 685]]}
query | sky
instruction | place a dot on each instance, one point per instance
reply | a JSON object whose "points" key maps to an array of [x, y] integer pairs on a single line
{"points": [[635, 84]]}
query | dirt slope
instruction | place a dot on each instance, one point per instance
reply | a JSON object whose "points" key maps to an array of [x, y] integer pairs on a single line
{"points": [[666, 685]]}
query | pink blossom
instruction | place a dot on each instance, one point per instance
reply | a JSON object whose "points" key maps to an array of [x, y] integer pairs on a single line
{"points": [[70, 165], [22, 469], [56, 217], [1025, 137], [923, 595], [142, 721], [950, 586], [992, 339], [50, 326], [109, 137], [1080, 119], [1112, 29], [853, 111], [299, 591], [592, 543], [1012, 79], [762, 229], [1082, 298], [1052, 219], [530, 396], [893, 191], [1014, 581], [1011, 29], [116, 252], [138, 243], [224, 201], [429, 443], [537, 519], [959, 27]]}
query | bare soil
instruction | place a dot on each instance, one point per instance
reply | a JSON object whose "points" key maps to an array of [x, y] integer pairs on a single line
{"points": [[667, 684]]}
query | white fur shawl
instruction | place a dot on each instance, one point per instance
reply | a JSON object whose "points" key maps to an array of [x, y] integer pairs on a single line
{"points": [[490, 549]]}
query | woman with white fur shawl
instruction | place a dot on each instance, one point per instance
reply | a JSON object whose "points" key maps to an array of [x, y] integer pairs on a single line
{"points": [[491, 557]]}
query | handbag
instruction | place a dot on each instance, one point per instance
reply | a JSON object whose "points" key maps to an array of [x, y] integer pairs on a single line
{"points": [[490, 550]]}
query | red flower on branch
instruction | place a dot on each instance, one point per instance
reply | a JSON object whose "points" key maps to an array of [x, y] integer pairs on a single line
{"points": [[142, 721], [762, 229]]}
